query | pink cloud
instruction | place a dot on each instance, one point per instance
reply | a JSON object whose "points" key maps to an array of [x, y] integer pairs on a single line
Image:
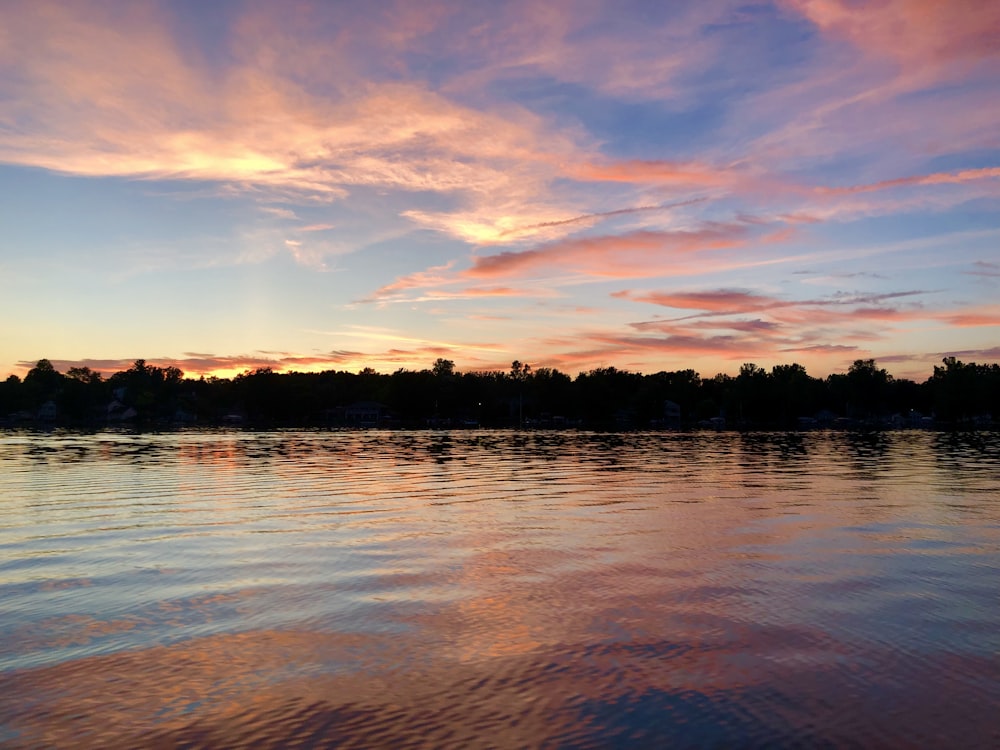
{"points": [[987, 316], [433, 276], [917, 33], [719, 300], [659, 172], [822, 348], [757, 326], [938, 178], [636, 254], [609, 256], [818, 327]]}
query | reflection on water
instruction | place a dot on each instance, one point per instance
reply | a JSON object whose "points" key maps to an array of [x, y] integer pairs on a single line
{"points": [[499, 589]]}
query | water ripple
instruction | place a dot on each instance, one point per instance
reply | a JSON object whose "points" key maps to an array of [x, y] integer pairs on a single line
{"points": [[491, 589]]}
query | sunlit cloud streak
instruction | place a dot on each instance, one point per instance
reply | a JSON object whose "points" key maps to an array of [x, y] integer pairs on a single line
{"points": [[658, 172], [939, 178], [637, 254], [973, 317], [613, 256]]}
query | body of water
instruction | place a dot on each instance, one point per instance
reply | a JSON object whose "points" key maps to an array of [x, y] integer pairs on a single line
{"points": [[499, 589]]}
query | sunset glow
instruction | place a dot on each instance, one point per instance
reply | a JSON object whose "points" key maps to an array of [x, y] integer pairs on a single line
{"points": [[308, 186]]}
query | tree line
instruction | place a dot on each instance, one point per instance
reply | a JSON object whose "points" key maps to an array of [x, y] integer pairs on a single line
{"points": [[956, 393]]}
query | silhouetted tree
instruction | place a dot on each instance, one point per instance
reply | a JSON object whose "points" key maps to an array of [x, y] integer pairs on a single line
{"points": [[41, 384], [604, 397], [793, 392], [867, 387], [961, 391], [443, 368], [752, 394]]}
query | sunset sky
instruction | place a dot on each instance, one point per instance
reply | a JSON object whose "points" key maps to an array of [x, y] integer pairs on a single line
{"points": [[647, 185]]}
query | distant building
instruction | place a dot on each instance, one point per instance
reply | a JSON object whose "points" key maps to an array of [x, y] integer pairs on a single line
{"points": [[671, 414], [118, 412], [365, 414]]}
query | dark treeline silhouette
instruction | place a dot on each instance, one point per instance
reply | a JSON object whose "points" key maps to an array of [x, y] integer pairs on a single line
{"points": [[956, 394]]}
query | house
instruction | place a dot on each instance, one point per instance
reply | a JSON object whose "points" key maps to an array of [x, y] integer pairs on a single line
{"points": [[671, 414], [48, 411], [365, 414], [118, 412]]}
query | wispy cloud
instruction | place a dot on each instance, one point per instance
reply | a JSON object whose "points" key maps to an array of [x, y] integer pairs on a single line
{"points": [[592, 218], [737, 301], [985, 268], [938, 178], [74, 108]]}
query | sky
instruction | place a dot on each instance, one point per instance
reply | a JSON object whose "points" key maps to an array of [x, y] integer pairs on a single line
{"points": [[643, 185]]}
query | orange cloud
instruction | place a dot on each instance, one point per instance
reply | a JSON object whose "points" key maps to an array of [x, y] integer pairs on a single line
{"points": [[194, 364]]}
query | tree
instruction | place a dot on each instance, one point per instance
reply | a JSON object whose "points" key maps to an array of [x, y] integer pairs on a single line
{"points": [[519, 371], [792, 391], [83, 375], [751, 393], [443, 368], [42, 383], [954, 389], [867, 387]]}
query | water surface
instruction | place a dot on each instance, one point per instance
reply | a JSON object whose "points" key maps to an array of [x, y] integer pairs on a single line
{"points": [[499, 589]]}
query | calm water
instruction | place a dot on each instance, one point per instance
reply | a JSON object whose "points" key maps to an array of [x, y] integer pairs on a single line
{"points": [[499, 589]]}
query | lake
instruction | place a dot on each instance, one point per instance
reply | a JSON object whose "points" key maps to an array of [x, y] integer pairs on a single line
{"points": [[499, 589]]}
